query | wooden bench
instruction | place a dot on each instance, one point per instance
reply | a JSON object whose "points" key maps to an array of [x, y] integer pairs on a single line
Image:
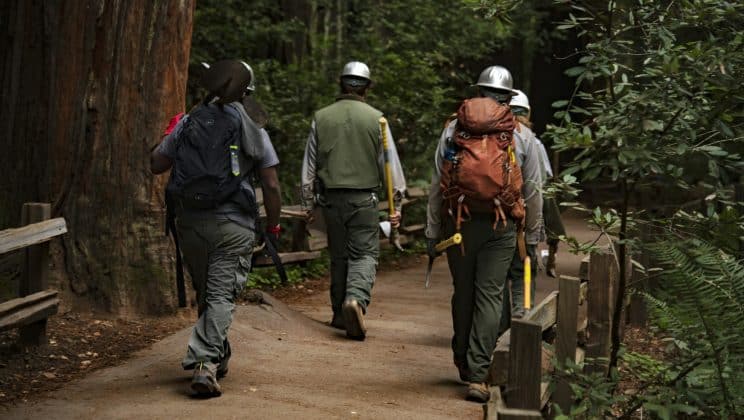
{"points": [[30, 311]]}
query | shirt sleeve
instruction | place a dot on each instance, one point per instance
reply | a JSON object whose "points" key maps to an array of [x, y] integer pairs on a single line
{"points": [[396, 170], [270, 157], [545, 161], [529, 156], [167, 146], [434, 206], [309, 174]]}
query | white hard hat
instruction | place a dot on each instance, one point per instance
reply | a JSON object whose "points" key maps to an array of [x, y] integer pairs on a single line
{"points": [[356, 69], [496, 77], [520, 99]]}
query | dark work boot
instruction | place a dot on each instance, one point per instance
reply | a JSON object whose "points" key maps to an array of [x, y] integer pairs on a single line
{"points": [[354, 320], [204, 383], [338, 321]]}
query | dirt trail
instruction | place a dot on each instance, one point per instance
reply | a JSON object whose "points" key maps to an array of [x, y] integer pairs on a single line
{"points": [[288, 364]]}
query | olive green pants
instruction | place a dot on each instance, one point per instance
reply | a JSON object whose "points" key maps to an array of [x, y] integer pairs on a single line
{"points": [[217, 253], [353, 243], [479, 276]]}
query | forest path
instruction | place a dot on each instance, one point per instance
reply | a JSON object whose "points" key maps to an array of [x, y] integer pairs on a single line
{"points": [[287, 363]]}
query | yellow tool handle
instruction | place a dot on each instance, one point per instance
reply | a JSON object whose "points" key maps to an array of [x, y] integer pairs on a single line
{"points": [[527, 283], [388, 172], [455, 239]]}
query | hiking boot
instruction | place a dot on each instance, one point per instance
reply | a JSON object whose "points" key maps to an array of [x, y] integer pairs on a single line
{"points": [[354, 320], [462, 369], [204, 383], [338, 321], [478, 391]]}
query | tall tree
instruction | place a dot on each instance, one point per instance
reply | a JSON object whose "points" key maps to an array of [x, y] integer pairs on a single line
{"points": [[85, 88]]}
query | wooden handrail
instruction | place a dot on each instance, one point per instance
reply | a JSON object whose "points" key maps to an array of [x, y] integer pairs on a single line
{"points": [[35, 233]]}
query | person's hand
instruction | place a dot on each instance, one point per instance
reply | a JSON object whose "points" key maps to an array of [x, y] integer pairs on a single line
{"points": [[274, 231], [395, 220], [431, 250]]}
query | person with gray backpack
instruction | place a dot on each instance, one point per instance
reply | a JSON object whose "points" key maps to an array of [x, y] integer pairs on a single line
{"points": [[214, 152]]}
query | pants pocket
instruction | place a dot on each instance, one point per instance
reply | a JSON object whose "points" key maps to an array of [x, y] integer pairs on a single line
{"points": [[241, 274]]}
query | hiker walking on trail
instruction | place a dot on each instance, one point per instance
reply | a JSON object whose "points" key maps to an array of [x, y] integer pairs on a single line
{"points": [[514, 302], [485, 175], [214, 153], [342, 172], [554, 228]]}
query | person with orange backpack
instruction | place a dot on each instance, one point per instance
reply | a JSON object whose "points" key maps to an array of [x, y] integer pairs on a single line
{"points": [[485, 186]]}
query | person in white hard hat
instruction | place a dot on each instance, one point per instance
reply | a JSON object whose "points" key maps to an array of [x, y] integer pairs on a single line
{"points": [[479, 268], [342, 173]]}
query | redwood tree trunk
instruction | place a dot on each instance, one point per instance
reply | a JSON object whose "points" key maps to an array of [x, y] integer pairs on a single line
{"points": [[86, 86]]}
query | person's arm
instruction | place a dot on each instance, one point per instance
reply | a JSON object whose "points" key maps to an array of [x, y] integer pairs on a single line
{"points": [[434, 206], [272, 195], [308, 176], [267, 172], [161, 158], [532, 181]]}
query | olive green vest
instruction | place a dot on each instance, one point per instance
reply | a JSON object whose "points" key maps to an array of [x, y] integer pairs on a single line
{"points": [[349, 145]]}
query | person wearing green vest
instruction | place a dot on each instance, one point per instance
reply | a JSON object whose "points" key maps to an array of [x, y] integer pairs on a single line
{"points": [[342, 172]]}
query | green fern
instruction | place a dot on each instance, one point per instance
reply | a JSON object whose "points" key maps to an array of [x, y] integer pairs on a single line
{"points": [[700, 303]]}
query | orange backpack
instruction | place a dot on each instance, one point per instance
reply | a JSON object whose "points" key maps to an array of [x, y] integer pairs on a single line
{"points": [[482, 174]]}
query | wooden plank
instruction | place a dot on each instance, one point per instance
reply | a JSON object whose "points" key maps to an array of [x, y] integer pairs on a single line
{"points": [[416, 192], [517, 414], [525, 375], [544, 313], [17, 304], [494, 404], [383, 205], [12, 239], [30, 314], [413, 228], [603, 276], [565, 340], [35, 272], [287, 258]]}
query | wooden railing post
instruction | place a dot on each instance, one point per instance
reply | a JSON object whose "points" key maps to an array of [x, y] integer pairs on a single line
{"points": [[35, 272], [603, 277], [525, 370], [565, 339]]}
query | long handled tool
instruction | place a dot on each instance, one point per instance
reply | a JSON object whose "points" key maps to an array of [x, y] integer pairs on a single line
{"points": [[455, 239], [394, 237], [527, 283]]}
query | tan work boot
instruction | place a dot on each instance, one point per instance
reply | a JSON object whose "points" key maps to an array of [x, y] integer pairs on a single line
{"points": [[354, 320], [478, 392], [204, 383]]}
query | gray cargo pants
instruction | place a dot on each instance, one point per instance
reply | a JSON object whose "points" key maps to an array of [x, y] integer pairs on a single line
{"points": [[217, 253], [353, 241]]}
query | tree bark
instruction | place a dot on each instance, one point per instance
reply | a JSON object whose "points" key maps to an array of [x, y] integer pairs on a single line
{"points": [[86, 86]]}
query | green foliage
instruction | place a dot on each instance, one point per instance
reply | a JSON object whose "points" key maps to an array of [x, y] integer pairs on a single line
{"points": [[658, 87], [267, 277], [700, 303], [420, 54]]}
